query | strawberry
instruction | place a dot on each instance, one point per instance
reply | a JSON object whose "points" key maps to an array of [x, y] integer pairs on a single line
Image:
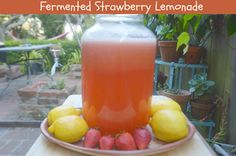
{"points": [[106, 142], [92, 138], [142, 137], [125, 141]]}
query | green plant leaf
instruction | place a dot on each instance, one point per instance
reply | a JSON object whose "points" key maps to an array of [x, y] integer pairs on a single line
{"points": [[199, 92], [187, 18], [231, 25], [210, 83], [192, 82], [185, 50], [201, 84], [192, 89], [197, 23], [183, 39], [205, 87]]}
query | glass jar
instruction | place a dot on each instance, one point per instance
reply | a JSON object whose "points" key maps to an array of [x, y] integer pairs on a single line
{"points": [[118, 55]]}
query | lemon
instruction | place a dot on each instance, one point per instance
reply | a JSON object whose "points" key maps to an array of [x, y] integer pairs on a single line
{"points": [[61, 111], [169, 125], [164, 104], [69, 128]]}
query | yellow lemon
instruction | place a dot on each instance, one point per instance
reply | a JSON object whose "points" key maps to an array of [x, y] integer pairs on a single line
{"points": [[69, 128], [164, 104], [169, 125], [61, 111]]}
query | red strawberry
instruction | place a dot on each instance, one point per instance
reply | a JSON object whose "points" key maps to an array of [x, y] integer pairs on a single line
{"points": [[106, 142], [125, 141], [142, 138], [92, 138]]}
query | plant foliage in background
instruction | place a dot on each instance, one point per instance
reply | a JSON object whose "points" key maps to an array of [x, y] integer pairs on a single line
{"points": [[52, 24], [75, 59], [183, 39], [166, 27], [199, 85], [174, 91], [58, 85], [231, 24], [69, 48], [10, 25], [188, 29], [196, 30]]}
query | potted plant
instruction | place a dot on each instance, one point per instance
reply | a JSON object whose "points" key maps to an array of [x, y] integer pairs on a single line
{"points": [[179, 95], [201, 102], [167, 32], [197, 29], [167, 28]]}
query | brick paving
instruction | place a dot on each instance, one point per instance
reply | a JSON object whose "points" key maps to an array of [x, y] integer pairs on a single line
{"points": [[17, 141], [14, 141], [10, 101]]}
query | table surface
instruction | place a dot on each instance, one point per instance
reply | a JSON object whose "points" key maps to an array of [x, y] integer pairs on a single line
{"points": [[26, 47], [195, 147]]}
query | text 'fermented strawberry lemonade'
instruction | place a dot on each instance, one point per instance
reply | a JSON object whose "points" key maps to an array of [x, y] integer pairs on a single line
{"points": [[118, 55]]}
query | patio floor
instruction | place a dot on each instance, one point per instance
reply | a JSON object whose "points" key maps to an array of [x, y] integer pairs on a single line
{"points": [[17, 134], [14, 141], [9, 99], [17, 141]]}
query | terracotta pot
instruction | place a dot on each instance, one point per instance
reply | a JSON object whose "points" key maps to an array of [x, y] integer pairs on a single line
{"points": [[168, 51], [182, 99], [200, 109], [194, 55]]}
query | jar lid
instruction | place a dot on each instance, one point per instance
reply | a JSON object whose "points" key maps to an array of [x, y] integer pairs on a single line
{"points": [[120, 17]]}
